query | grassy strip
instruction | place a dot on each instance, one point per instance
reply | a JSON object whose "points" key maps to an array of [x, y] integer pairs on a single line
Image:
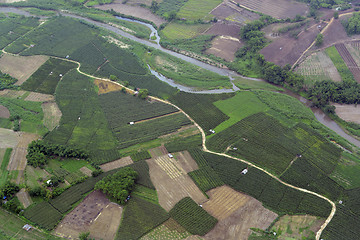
{"points": [[339, 63], [142, 155], [5, 161]]}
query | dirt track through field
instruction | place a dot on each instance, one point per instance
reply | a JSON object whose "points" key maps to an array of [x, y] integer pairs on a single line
{"points": [[24, 198], [122, 162]]}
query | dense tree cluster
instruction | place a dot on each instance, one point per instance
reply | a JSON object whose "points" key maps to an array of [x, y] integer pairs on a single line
{"points": [[38, 151], [352, 26], [118, 185], [340, 92], [8, 191], [7, 82]]}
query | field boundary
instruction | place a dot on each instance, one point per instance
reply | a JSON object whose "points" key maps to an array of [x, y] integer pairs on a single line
{"points": [[333, 210]]}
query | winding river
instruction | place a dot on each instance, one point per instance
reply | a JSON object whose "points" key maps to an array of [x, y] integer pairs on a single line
{"points": [[320, 115]]}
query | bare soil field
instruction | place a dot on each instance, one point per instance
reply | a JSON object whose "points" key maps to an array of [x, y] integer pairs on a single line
{"points": [[348, 112], [225, 47], [24, 198], [172, 183], [224, 28], [135, 11], [348, 59], [228, 10], [158, 151], [235, 223], [169, 230], [18, 155], [286, 49], [276, 8], [11, 93], [319, 66], [186, 162], [297, 227], [87, 217], [8, 138], [224, 201], [39, 97], [105, 86], [21, 67], [4, 112], [52, 115], [122, 162], [86, 171]]}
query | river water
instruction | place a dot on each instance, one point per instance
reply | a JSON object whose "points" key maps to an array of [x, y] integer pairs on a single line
{"points": [[320, 115]]}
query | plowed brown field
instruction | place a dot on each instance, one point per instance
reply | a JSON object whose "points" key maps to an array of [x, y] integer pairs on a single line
{"points": [[4, 112]]}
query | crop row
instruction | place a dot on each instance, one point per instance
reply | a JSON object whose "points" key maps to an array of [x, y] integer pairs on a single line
{"points": [[263, 140], [121, 108], [129, 135], [44, 215], [182, 144], [46, 78], [12, 28], [200, 107], [142, 155], [266, 189], [206, 178], [140, 217], [192, 217]]}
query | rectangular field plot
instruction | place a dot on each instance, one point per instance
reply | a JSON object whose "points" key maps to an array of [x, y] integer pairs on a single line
{"points": [[46, 78], [12, 28], [264, 141], [21, 67], [44, 215], [275, 8], [176, 31], [318, 67], [197, 9]]}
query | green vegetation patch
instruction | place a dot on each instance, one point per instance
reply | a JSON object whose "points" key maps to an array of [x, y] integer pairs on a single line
{"points": [[142, 155], [285, 105], [169, 8], [339, 63], [145, 193], [14, 27], [30, 113], [247, 84], [242, 105], [140, 217], [186, 73], [174, 31], [122, 108], [3, 167], [192, 217], [7, 82], [197, 9], [119, 185], [10, 225], [346, 172], [270, 192], [200, 107], [43, 215], [181, 144], [142, 168], [46, 78], [206, 178], [261, 139], [83, 123]]}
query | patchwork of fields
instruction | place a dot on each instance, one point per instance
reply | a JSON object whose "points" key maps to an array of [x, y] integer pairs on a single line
{"points": [[188, 192]]}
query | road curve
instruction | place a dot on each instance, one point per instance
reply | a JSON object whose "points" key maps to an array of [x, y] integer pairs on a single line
{"points": [[333, 210]]}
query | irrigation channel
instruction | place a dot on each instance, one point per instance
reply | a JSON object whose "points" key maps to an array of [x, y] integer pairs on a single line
{"points": [[321, 117]]}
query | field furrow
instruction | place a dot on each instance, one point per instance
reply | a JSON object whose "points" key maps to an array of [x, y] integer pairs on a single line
{"points": [[349, 61]]}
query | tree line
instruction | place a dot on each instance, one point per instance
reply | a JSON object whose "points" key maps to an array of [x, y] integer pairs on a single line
{"points": [[39, 151]]}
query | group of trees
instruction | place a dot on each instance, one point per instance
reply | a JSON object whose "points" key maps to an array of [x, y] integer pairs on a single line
{"points": [[119, 185], [11, 203], [7, 82], [352, 26], [39, 151]]}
